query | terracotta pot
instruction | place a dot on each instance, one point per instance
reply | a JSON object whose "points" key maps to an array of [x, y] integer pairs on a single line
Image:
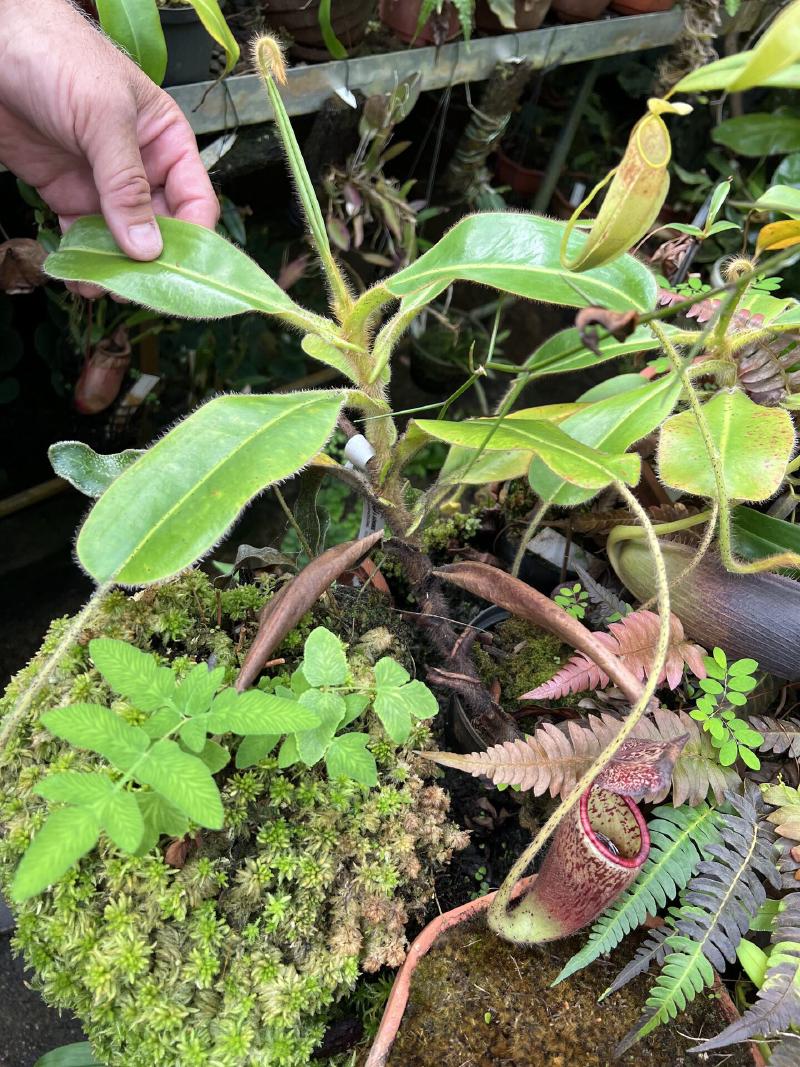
{"points": [[528, 15], [578, 10], [401, 17], [398, 998], [524, 181], [640, 7], [299, 19]]}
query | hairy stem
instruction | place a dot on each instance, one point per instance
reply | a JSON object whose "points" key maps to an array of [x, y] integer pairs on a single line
{"points": [[20, 709], [528, 533], [497, 910]]}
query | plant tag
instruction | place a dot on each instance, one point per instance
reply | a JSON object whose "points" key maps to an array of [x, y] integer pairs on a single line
{"points": [[345, 94]]}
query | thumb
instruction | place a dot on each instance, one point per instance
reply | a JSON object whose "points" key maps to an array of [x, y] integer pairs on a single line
{"points": [[123, 186]]}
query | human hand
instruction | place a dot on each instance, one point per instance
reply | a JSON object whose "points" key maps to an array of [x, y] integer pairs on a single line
{"points": [[82, 124]]}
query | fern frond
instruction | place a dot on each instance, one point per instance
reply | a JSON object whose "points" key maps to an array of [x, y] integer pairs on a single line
{"points": [[778, 1004], [678, 839], [722, 897], [633, 639], [465, 9], [781, 736], [554, 757], [652, 951], [786, 819], [786, 1053]]}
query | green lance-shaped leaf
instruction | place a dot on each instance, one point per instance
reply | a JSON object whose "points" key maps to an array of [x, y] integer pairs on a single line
{"points": [[519, 254], [565, 351], [754, 444], [100, 730], [89, 471], [398, 701], [465, 466], [756, 535], [115, 810], [611, 425], [324, 661], [132, 673], [349, 757], [256, 712], [784, 198], [175, 503], [78, 1054], [135, 26], [255, 748], [160, 817], [778, 48], [330, 710], [183, 780], [724, 72], [208, 11], [199, 275], [759, 134], [573, 462], [67, 835]]}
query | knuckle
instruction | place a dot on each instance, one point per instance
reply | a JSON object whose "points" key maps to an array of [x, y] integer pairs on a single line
{"points": [[129, 188]]}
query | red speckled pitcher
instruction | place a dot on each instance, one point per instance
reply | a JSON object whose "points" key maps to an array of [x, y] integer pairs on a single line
{"points": [[597, 851]]}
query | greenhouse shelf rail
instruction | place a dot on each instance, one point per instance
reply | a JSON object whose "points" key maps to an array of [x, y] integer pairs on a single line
{"points": [[241, 101]]}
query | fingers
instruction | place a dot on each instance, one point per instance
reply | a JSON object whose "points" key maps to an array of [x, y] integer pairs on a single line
{"points": [[173, 161], [122, 183]]}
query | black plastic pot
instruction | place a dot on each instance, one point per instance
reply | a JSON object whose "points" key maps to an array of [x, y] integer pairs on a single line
{"points": [[189, 46], [464, 735]]}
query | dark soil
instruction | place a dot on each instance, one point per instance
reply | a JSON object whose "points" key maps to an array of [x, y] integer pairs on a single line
{"points": [[28, 1028], [477, 1001]]}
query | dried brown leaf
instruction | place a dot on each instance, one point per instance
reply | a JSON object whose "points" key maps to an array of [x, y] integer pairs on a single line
{"points": [[632, 639], [21, 262], [522, 600], [781, 736], [283, 612], [620, 324]]}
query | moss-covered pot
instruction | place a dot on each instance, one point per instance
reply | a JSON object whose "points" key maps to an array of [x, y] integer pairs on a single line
{"points": [[397, 1003], [236, 957]]}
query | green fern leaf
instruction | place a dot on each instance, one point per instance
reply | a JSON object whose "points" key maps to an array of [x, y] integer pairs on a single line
{"points": [[465, 9], [723, 896], [678, 837], [651, 953], [778, 1004]]}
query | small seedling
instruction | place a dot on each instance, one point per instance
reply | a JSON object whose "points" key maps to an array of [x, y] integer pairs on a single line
{"points": [[723, 689]]}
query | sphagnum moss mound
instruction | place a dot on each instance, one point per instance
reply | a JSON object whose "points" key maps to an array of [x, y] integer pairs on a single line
{"points": [[237, 957]]}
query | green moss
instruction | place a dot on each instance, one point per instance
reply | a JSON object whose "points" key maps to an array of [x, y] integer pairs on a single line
{"points": [[523, 656], [475, 999], [459, 526], [240, 956]]}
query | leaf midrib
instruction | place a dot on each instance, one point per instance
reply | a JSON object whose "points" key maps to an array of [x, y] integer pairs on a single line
{"points": [[207, 280], [669, 999], [457, 268]]}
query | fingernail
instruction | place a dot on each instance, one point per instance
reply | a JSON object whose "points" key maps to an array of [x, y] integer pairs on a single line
{"points": [[145, 239]]}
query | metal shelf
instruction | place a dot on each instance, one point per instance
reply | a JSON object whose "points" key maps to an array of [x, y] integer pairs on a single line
{"points": [[241, 100]]}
